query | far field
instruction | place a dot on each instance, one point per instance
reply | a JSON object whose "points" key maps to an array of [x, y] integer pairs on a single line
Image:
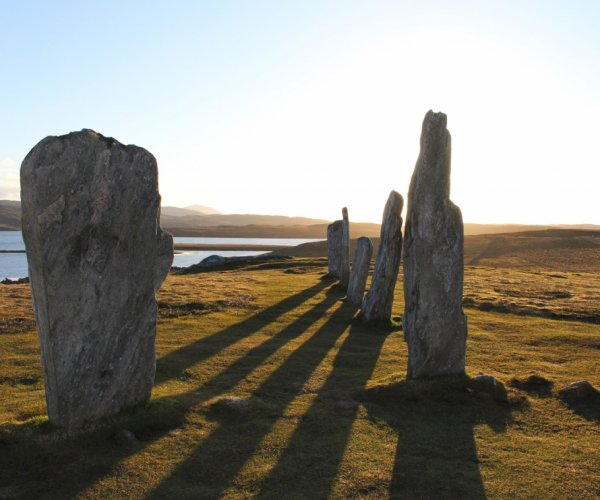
{"points": [[269, 386]]}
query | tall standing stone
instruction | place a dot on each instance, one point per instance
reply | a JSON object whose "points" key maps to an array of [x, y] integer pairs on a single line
{"points": [[334, 248], [360, 270], [435, 326], [96, 256], [345, 251], [377, 304]]}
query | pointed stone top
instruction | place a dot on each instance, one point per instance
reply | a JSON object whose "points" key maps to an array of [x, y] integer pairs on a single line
{"points": [[393, 206], [433, 119], [431, 178]]}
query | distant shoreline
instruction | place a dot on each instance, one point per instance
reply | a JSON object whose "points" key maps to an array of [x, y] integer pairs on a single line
{"points": [[182, 247], [228, 246]]}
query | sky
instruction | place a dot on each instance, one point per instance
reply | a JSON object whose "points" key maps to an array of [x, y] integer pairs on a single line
{"points": [[304, 107]]}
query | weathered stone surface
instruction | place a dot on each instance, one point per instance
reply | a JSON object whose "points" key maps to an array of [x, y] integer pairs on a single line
{"points": [[487, 385], [577, 392], [334, 248], [124, 437], [345, 251], [434, 324], [96, 256], [377, 304], [360, 270]]}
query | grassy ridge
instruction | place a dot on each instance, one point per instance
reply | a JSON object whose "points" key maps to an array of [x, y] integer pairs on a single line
{"points": [[549, 250], [267, 386]]}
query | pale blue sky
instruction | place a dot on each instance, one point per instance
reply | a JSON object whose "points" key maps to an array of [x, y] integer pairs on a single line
{"points": [[300, 108]]}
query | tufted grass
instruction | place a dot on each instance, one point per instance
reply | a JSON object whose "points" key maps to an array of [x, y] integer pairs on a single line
{"points": [[268, 386]]}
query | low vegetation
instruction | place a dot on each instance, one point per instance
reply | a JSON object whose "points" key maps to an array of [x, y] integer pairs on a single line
{"points": [[269, 386]]}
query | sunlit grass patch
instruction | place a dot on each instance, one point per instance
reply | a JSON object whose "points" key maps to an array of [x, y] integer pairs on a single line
{"points": [[287, 394]]}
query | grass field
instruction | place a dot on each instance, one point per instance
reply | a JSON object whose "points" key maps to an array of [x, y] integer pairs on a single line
{"points": [[268, 386]]}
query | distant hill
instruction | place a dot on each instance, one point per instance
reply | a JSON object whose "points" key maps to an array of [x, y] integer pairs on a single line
{"points": [[472, 229], [10, 215], [550, 249], [207, 220], [176, 211], [198, 220], [189, 210], [246, 226], [202, 209], [574, 250], [271, 231]]}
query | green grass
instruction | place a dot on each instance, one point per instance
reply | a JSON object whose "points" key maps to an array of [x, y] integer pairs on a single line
{"points": [[268, 386]]}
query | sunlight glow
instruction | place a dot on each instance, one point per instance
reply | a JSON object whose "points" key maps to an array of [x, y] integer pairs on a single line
{"points": [[286, 109]]}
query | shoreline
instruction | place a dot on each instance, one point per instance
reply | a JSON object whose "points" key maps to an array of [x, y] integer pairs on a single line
{"points": [[229, 246], [182, 247]]}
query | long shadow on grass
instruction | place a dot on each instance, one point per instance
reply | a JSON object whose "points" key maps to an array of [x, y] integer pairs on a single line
{"points": [[172, 365], [311, 461], [253, 358], [211, 467], [590, 410], [29, 452], [436, 455]]}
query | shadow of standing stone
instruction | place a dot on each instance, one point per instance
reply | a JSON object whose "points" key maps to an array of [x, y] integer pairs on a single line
{"points": [[583, 398], [96, 256]]}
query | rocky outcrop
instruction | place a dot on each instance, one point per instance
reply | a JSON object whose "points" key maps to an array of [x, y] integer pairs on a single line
{"points": [[434, 324], [96, 256], [377, 304], [360, 270]]}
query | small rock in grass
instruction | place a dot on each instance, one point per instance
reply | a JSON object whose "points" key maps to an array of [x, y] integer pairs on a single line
{"points": [[234, 403], [347, 404], [124, 437], [578, 392], [489, 385]]}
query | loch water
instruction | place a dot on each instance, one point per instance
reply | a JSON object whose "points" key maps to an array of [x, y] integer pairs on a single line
{"points": [[13, 264]]}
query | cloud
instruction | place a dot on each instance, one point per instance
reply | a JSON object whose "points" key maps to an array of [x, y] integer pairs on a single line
{"points": [[7, 162], [10, 188]]}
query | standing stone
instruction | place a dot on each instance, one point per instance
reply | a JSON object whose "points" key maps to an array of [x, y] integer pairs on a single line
{"points": [[377, 304], [360, 270], [334, 248], [435, 326], [344, 272], [96, 256]]}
